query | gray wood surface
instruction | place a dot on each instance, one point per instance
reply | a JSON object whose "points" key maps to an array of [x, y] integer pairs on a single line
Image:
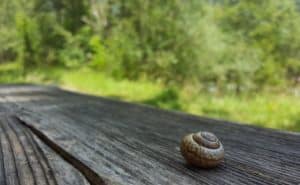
{"points": [[26, 160], [112, 142]]}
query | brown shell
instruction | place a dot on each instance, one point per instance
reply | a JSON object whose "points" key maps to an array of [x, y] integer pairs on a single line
{"points": [[202, 149]]}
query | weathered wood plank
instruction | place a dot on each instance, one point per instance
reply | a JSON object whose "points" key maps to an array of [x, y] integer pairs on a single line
{"points": [[133, 144], [25, 160]]}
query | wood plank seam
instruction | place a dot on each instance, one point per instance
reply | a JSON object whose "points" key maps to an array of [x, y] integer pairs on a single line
{"points": [[42, 167], [92, 177], [20, 163]]}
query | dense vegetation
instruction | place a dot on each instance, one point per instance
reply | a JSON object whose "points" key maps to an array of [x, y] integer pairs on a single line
{"points": [[228, 59]]}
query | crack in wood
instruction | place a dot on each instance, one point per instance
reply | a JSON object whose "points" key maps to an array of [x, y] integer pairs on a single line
{"points": [[92, 177], [21, 162]]}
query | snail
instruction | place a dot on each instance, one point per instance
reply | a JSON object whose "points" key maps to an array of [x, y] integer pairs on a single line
{"points": [[202, 149]]}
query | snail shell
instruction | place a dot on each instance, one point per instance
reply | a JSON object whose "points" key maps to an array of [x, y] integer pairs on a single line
{"points": [[202, 149]]}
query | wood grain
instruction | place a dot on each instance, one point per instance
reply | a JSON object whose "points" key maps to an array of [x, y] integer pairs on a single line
{"points": [[26, 160], [125, 143]]}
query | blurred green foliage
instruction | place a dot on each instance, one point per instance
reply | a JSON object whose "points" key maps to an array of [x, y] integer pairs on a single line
{"points": [[222, 48], [168, 98]]}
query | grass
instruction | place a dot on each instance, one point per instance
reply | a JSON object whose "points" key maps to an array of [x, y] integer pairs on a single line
{"points": [[97, 83], [10, 72], [272, 111], [277, 111]]}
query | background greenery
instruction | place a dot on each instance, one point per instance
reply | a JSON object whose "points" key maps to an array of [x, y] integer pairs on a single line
{"points": [[232, 59]]}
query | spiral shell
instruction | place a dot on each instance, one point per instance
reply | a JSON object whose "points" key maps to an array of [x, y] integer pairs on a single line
{"points": [[202, 149]]}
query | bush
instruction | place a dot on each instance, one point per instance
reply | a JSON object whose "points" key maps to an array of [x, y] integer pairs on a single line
{"points": [[219, 46]]}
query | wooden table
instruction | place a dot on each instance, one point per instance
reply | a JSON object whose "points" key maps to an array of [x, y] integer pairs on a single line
{"points": [[49, 136]]}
